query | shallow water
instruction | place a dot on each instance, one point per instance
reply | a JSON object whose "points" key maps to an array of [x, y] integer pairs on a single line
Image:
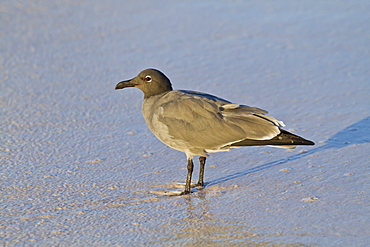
{"points": [[79, 167]]}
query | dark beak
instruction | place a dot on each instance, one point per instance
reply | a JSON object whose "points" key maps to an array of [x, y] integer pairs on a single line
{"points": [[124, 84]]}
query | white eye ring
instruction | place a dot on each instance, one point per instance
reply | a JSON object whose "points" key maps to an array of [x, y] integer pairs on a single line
{"points": [[148, 78]]}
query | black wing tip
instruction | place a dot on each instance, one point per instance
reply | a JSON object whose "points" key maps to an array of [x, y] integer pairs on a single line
{"points": [[285, 138], [294, 139], [310, 143]]}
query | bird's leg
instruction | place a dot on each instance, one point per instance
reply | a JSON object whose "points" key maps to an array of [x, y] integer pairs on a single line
{"points": [[202, 161], [188, 179]]}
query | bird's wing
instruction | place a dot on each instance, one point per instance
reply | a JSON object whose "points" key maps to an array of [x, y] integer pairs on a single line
{"points": [[252, 120], [209, 123]]}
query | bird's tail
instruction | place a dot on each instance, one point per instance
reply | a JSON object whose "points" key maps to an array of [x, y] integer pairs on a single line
{"points": [[284, 140]]}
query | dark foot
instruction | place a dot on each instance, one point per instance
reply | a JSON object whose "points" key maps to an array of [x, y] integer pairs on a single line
{"points": [[200, 184], [185, 193]]}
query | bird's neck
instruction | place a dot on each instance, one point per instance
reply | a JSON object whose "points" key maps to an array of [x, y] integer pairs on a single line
{"points": [[160, 90]]}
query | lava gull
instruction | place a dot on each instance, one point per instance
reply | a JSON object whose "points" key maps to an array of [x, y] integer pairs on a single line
{"points": [[198, 123]]}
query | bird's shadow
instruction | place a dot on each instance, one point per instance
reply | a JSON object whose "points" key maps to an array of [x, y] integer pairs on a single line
{"points": [[357, 133]]}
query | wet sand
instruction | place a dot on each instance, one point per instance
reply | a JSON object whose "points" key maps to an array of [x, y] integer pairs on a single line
{"points": [[79, 167]]}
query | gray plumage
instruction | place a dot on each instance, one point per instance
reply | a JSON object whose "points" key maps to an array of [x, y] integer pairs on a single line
{"points": [[197, 123]]}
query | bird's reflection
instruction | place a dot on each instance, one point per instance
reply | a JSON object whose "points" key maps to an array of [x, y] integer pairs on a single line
{"points": [[200, 227]]}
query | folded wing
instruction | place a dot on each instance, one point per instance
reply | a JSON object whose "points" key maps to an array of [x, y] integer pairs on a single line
{"points": [[211, 123]]}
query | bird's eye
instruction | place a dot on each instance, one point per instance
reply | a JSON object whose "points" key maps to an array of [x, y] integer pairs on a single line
{"points": [[148, 78]]}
